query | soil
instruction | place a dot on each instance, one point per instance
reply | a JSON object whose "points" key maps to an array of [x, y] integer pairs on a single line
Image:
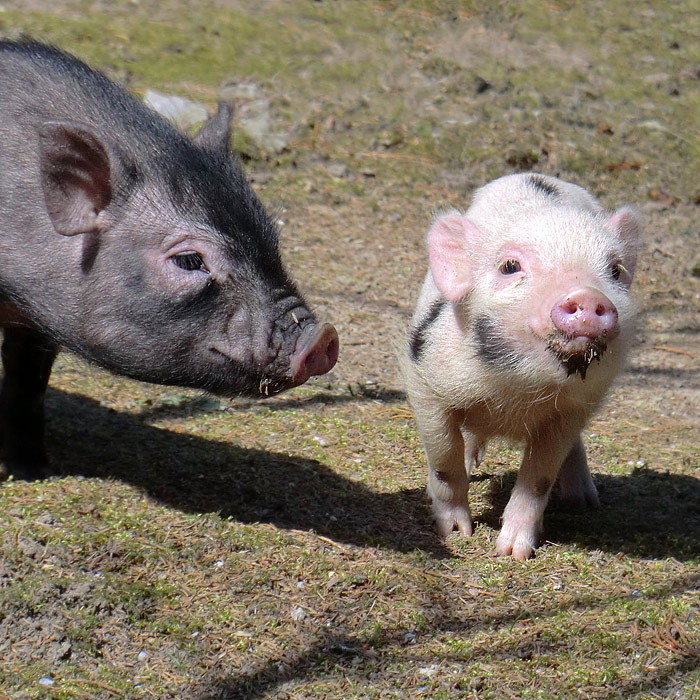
{"points": [[197, 547]]}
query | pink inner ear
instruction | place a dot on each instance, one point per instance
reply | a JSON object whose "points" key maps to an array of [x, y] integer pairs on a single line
{"points": [[448, 244], [627, 224]]}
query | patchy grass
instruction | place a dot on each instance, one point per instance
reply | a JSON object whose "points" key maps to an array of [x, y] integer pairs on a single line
{"points": [[202, 548]]}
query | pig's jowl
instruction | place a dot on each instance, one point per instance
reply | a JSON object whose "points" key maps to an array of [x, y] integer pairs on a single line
{"points": [[134, 246], [522, 324]]}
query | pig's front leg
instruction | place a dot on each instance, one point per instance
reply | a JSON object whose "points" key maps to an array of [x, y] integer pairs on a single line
{"points": [[522, 518], [450, 457], [575, 486], [27, 358]]}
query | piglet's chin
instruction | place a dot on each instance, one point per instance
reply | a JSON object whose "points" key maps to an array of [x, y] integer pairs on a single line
{"points": [[577, 354]]}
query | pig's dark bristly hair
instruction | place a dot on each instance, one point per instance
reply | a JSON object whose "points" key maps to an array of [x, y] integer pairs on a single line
{"points": [[199, 181], [541, 185], [215, 187]]}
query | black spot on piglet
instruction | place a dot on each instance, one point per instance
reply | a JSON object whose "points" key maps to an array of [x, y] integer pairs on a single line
{"points": [[492, 344], [419, 332], [541, 185]]}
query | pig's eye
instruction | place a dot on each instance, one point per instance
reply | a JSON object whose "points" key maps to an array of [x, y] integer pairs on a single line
{"points": [[509, 267], [616, 270], [190, 261]]}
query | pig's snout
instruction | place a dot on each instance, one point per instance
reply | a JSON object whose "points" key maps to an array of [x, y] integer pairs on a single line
{"points": [[316, 352], [587, 313]]}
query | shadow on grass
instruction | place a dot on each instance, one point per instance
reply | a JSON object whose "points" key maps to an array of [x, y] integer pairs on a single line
{"points": [[205, 404], [687, 379], [194, 474], [644, 514], [343, 656]]}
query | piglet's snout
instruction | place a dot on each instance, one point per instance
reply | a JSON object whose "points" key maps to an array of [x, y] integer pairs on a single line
{"points": [[316, 352], [586, 312]]}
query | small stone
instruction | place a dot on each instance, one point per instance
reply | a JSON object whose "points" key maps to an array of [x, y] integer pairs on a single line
{"points": [[240, 91], [338, 170], [298, 614], [180, 111]]}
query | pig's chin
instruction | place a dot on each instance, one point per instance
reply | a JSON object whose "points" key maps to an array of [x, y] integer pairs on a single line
{"points": [[576, 353], [232, 378]]}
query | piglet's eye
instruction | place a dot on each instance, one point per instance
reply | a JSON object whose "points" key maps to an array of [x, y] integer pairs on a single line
{"points": [[616, 270], [509, 267], [190, 261]]}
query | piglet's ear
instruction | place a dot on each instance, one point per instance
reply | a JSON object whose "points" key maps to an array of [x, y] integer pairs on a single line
{"points": [[627, 224], [75, 177], [215, 134], [448, 249]]}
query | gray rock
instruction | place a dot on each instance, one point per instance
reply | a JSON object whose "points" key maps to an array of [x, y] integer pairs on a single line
{"points": [[180, 111]]}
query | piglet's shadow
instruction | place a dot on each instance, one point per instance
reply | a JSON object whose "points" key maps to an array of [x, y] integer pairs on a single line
{"points": [[644, 514], [197, 475]]}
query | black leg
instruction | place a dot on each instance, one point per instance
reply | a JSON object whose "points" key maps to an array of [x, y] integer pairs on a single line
{"points": [[27, 357]]}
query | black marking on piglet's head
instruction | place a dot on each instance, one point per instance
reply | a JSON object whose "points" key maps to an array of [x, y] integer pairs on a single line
{"points": [[419, 333], [493, 346], [540, 184]]}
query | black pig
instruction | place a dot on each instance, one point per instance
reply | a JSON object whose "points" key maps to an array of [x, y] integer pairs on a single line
{"points": [[134, 246]]}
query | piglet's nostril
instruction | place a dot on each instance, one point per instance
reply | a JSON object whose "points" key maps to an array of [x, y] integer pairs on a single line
{"points": [[570, 307], [585, 312]]}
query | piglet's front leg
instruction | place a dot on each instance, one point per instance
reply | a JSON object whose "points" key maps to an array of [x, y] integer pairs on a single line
{"points": [[522, 518], [448, 478]]}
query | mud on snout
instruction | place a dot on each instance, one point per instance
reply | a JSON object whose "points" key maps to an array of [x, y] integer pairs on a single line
{"points": [[576, 353]]}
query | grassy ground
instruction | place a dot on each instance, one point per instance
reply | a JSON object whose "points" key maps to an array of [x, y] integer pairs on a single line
{"points": [[202, 548]]}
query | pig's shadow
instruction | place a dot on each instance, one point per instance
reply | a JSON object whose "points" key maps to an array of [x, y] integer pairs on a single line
{"points": [[194, 474], [644, 514]]}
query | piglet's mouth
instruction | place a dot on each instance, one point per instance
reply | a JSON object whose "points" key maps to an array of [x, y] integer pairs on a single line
{"points": [[577, 353]]}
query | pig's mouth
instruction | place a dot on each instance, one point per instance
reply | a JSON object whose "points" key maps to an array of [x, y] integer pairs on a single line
{"points": [[234, 378], [315, 353], [577, 353]]}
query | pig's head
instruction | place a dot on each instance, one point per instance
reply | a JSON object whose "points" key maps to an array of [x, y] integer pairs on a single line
{"points": [[170, 267], [545, 294]]}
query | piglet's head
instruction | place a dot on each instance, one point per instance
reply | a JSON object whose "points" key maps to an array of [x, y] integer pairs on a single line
{"points": [[449, 241]]}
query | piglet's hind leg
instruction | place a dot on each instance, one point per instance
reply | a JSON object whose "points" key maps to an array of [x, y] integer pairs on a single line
{"points": [[575, 487]]}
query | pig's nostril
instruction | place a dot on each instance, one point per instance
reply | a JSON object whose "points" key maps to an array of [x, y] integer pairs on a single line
{"points": [[317, 355], [585, 312]]}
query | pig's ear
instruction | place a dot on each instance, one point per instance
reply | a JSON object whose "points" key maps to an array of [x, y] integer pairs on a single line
{"points": [[448, 248], [215, 134], [627, 224], [75, 177]]}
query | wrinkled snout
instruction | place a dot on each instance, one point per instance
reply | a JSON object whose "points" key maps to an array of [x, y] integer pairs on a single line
{"points": [[586, 313], [316, 352]]}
